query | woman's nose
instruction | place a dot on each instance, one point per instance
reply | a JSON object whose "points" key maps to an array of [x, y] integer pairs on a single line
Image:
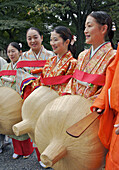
{"points": [[32, 40]]}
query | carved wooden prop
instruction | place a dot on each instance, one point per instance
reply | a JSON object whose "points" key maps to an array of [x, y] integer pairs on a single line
{"points": [[10, 109], [32, 108], [78, 128], [57, 148]]}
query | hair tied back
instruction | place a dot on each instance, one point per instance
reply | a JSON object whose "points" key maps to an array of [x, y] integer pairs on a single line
{"points": [[73, 40], [20, 44], [113, 26]]}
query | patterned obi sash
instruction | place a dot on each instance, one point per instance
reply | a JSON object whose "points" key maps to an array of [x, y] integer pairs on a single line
{"points": [[55, 80], [4, 73], [8, 73], [97, 79], [34, 63]]}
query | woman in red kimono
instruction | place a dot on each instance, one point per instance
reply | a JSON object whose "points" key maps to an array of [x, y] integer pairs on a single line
{"points": [[58, 69], [89, 74], [107, 104]]}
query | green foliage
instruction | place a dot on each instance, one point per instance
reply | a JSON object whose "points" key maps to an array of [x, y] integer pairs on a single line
{"points": [[16, 16], [73, 14], [14, 20]]}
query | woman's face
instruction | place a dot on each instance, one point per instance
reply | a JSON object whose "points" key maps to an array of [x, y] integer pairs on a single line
{"points": [[94, 32], [34, 40], [13, 54], [59, 46]]}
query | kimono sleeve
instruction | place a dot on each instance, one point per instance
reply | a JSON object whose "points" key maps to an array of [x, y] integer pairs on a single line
{"points": [[72, 65]]}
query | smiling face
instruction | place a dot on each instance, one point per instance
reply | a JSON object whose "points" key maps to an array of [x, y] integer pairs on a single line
{"points": [[59, 46], [94, 32], [13, 54], [34, 40]]}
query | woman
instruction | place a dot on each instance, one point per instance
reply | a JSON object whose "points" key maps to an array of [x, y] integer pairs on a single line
{"points": [[59, 68], [107, 104], [89, 74], [22, 144], [32, 61]]}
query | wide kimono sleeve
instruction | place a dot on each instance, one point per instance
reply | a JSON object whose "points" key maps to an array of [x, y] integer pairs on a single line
{"points": [[107, 119], [103, 97], [114, 90]]}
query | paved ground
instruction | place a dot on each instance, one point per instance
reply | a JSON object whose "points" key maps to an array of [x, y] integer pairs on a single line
{"points": [[7, 163]]}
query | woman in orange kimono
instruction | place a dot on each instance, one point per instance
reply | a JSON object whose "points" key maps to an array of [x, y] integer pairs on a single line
{"points": [[89, 74], [107, 103]]}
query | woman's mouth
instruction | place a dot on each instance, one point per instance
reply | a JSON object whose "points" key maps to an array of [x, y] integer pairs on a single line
{"points": [[34, 45]]}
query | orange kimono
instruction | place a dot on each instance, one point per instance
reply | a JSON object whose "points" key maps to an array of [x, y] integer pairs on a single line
{"points": [[109, 100]]}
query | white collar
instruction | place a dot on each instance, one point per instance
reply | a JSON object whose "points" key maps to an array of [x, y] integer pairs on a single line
{"points": [[94, 51]]}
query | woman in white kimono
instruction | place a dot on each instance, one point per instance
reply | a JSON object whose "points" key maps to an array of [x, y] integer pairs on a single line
{"points": [[22, 144]]}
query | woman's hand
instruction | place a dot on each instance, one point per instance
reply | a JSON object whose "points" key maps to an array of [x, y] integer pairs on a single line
{"points": [[98, 110], [117, 130]]}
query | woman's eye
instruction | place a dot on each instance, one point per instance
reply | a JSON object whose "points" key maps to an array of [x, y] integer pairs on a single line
{"points": [[55, 39], [35, 37]]}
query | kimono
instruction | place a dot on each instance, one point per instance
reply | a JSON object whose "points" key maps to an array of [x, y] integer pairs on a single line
{"points": [[109, 101], [8, 75], [30, 67], [56, 73], [89, 73], [2, 62]]}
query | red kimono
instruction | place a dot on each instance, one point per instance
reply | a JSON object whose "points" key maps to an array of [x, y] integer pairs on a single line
{"points": [[55, 74]]}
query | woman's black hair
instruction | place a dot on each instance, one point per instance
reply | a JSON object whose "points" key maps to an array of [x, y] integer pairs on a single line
{"points": [[65, 34], [15, 45], [103, 18], [36, 29]]}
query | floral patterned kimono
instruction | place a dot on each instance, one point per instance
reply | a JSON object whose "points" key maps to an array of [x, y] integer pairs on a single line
{"points": [[8, 75], [30, 66], [56, 72], [89, 74]]}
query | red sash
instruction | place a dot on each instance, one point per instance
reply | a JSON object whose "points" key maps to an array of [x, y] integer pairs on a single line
{"points": [[8, 73], [34, 63], [97, 79], [55, 80]]}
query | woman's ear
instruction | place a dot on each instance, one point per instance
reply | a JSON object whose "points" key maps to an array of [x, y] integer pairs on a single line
{"points": [[104, 29], [67, 42]]}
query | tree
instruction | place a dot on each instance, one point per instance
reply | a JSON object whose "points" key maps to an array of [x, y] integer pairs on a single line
{"points": [[18, 15], [14, 19], [73, 14]]}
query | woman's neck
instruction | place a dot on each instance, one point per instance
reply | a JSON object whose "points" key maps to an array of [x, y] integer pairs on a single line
{"points": [[97, 44], [61, 54], [37, 50]]}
